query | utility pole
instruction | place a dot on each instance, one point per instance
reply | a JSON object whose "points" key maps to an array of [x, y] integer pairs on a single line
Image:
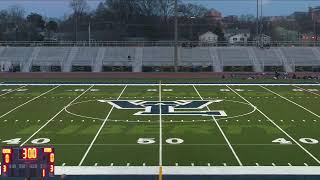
{"points": [[261, 23], [257, 23], [76, 28], [89, 32], [176, 35]]}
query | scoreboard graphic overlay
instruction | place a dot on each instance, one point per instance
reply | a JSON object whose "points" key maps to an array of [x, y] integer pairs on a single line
{"points": [[28, 162]]}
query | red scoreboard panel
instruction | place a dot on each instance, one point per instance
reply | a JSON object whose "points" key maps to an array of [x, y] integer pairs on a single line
{"points": [[27, 162]]}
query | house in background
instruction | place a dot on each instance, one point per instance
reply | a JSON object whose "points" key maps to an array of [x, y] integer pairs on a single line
{"points": [[208, 37], [237, 36]]}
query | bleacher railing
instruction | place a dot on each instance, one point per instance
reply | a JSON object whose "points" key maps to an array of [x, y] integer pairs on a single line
{"points": [[186, 44]]}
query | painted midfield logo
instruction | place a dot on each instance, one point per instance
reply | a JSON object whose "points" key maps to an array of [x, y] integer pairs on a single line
{"points": [[169, 108]]}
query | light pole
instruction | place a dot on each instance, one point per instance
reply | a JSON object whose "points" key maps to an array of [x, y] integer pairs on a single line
{"points": [[191, 28], [176, 35], [89, 32], [257, 23]]}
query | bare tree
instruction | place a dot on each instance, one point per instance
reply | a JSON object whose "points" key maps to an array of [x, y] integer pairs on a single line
{"points": [[16, 14], [147, 7], [79, 7], [192, 10], [166, 9]]}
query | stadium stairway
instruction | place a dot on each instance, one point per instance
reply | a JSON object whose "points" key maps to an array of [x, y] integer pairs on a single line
{"points": [[216, 64], [287, 67], [27, 65], [316, 52], [68, 64], [137, 63], [99, 60], [256, 64]]}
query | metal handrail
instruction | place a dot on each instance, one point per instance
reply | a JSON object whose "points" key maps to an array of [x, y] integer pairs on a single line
{"points": [[186, 44]]}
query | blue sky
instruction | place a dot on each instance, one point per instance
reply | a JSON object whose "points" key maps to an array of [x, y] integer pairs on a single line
{"points": [[58, 8]]}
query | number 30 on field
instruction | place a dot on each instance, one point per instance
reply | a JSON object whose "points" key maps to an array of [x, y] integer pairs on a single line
{"points": [[303, 140], [152, 141]]}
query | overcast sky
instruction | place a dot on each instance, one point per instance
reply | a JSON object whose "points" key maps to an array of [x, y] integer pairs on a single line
{"points": [[58, 8]]}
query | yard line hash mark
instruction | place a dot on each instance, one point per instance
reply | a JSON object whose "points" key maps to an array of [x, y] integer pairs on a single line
{"points": [[307, 90], [223, 134], [276, 125], [290, 101], [28, 102], [43, 126], [101, 127], [13, 90]]}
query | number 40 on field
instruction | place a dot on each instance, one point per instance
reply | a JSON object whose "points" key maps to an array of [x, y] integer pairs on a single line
{"points": [[303, 140]]}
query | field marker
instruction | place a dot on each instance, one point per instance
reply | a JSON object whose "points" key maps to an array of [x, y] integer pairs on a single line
{"points": [[225, 137], [257, 164], [95, 164], [13, 90], [101, 127], [177, 164], [276, 125], [192, 164], [63, 164], [307, 90], [273, 164], [144, 164], [128, 164], [305, 164], [224, 164], [209, 164], [291, 101], [28, 102], [289, 164], [43, 126]]}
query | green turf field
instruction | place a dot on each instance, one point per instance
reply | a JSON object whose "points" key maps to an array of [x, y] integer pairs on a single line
{"points": [[265, 125]]}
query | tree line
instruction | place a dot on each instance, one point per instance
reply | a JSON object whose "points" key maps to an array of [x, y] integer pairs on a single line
{"points": [[127, 19]]}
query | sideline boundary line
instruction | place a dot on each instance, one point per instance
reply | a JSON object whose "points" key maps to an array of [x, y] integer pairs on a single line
{"points": [[291, 101], [223, 134], [101, 127], [187, 170], [17, 107], [276, 125], [50, 120], [156, 84]]}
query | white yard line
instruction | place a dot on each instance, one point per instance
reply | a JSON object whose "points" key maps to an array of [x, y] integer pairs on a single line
{"points": [[43, 126], [223, 134], [307, 90], [276, 125], [28, 102], [101, 127], [291, 101], [160, 127], [13, 90]]}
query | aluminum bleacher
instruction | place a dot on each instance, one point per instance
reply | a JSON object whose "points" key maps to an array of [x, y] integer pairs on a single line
{"points": [[137, 57]]}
